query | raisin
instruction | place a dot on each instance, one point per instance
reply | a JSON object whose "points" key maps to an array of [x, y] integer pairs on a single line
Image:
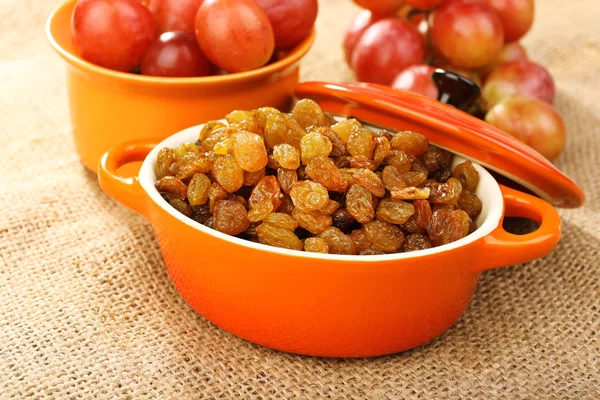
{"points": [[442, 174], [384, 134], [281, 128], [196, 164], [422, 212], [237, 116], [358, 162], [322, 169], [315, 222], [228, 173], [252, 178], [411, 226], [392, 178], [216, 193], [316, 245], [414, 178], [359, 202], [394, 211], [286, 178], [250, 233], [308, 113], [184, 149], [208, 128], [443, 193], [286, 206], [224, 147], [370, 252], [238, 199], [281, 220], [343, 162], [287, 156], [216, 136], [266, 189], [181, 205], [164, 160], [339, 197], [279, 237], [416, 241], [360, 142], [417, 166], [467, 175], [302, 175], [470, 203], [464, 220], [411, 193], [338, 242], [384, 236], [330, 207], [472, 226], [343, 128], [200, 213], [173, 186], [197, 192], [343, 220], [382, 149], [309, 196], [399, 159], [359, 237], [260, 210], [370, 180], [230, 217], [250, 152], [444, 227], [338, 147], [260, 115], [434, 158], [410, 142], [272, 162], [329, 119], [314, 144]]}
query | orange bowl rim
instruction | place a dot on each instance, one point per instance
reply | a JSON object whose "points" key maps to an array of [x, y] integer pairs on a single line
{"points": [[294, 55]]}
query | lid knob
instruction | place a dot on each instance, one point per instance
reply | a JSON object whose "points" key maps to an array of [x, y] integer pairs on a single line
{"points": [[455, 89]]}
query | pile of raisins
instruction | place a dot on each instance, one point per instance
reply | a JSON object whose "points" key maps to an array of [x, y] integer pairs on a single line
{"points": [[304, 181]]}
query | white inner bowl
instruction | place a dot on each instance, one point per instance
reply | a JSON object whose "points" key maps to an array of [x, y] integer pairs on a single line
{"points": [[488, 220]]}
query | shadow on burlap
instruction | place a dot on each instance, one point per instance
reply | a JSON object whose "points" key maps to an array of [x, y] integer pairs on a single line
{"points": [[87, 309]]}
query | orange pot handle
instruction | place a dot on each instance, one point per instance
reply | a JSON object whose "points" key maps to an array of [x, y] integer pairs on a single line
{"points": [[501, 248], [126, 190]]}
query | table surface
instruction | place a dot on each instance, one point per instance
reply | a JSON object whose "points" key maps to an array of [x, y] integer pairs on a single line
{"points": [[87, 309]]}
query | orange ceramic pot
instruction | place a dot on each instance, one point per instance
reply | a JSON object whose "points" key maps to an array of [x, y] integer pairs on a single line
{"points": [[326, 304], [109, 107]]}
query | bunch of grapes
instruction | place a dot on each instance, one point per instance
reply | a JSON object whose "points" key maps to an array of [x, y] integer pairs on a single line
{"points": [[401, 42]]}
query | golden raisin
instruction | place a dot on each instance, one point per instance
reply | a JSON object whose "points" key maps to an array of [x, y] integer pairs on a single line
{"points": [[287, 178], [338, 242], [266, 189], [411, 193], [279, 237], [362, 162], [287, 156], [360, 142], [230, 217], [309, 196], [216, 193], [314, 144], [414, 178], [382, 149], [260, 210], [394, 211], [384, 236], [250, 152], [370, 180], [399, 159], [435, 158], [343, 128], [210, 127], [470, 203], [322, 169], [281, 220], [315, 221], [316, 245], [359, 237], [410, 142], [308, 113], [359, 203], [193, 164], [467, 175], [197, 193], [252, 178], [228, 173], [392, 178], [164, 160], [416, 241], [338, 147], [422, 213], [281, 128], [172, 185], [444, 227]]}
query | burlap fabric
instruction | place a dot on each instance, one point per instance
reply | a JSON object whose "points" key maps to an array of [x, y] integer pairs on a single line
{"points": [[88, 311]]}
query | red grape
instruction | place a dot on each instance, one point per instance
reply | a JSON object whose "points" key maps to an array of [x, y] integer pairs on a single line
{"points": [[532, 121], [467, 33], [417, 79], [113, 34], [382, 8], [516, 17], [385, 49], [175, 15], [359, 24], [175, 54], [292, 20], [235, 35], [510, 52], [424, 4], [518, 77]]}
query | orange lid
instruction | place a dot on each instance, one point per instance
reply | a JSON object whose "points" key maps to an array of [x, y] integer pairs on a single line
{"points": [[451, 129]]}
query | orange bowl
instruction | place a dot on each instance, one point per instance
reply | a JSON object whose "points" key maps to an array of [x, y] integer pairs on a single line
{"points": [[109, 107], [327, 304]]}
